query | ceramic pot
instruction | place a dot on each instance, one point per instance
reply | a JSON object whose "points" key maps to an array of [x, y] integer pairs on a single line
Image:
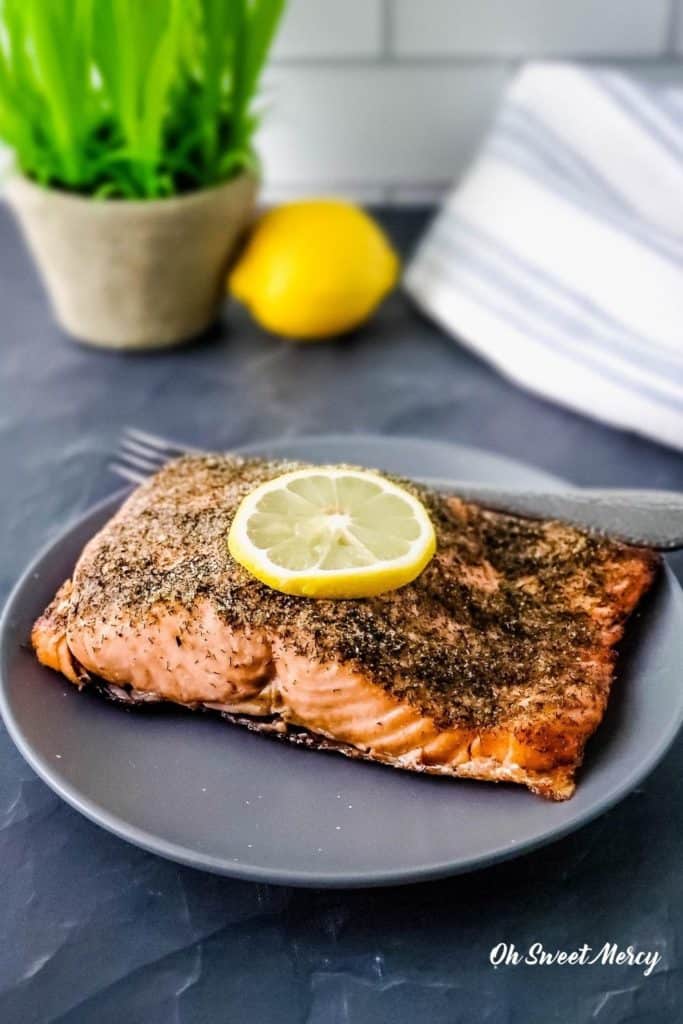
{"points": [[134, 274]]}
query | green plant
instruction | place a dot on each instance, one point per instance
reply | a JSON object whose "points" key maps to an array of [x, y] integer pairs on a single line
{"points": [[132, 98]]}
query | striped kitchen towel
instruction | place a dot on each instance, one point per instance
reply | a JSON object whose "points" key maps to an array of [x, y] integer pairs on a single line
{"points": [[559, 258]]}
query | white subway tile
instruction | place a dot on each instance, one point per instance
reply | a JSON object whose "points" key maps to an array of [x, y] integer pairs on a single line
{"points": [[368, 195], [364, 126], [530, 27], [330, 28]]}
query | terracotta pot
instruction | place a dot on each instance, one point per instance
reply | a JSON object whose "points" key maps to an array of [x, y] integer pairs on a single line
{"points": [[134, 274]]}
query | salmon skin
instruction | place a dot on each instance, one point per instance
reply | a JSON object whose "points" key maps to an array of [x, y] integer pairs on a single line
{"points": [[495, 663]]}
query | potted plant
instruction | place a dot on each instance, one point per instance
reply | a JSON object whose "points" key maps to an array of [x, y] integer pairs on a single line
{"points": [[131, 124]]}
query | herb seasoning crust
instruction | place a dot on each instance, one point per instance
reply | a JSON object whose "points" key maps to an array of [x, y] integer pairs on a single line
{"points": [[495, 663]]}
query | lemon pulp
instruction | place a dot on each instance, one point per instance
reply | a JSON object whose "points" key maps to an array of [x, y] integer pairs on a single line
{"points": [[332, 532]]}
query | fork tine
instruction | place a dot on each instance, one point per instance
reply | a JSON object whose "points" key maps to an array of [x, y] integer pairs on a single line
{"points": [[159, 444], [129, 447], [127, 473], [147, 466], [140, 454]]}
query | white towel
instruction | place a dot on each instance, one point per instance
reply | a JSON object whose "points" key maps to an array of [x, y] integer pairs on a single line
{"points": [[559, 258]]}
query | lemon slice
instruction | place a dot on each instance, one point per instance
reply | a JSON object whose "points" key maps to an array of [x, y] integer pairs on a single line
{"points": [[332, 532]]}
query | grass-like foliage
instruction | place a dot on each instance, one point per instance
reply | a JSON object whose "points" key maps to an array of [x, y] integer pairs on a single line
{"points": [[132, 98]]}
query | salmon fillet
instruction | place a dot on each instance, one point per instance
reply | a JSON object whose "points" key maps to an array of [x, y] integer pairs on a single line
{"points": [[495, 663]]}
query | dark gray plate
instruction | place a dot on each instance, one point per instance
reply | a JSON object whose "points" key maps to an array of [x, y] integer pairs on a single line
{"points": [[208, 794]]}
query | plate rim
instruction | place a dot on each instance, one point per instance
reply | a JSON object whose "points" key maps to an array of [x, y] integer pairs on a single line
{"points": [[182, 854]]}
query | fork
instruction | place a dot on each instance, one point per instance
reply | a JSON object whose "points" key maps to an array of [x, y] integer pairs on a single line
{"points": [[139, 455], [650, 518]]}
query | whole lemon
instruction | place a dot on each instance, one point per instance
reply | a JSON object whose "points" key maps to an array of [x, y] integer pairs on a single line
{"points": [[314, 269]]}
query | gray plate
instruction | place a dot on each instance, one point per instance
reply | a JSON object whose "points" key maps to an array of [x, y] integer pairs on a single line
{"points": [[208, 794]]}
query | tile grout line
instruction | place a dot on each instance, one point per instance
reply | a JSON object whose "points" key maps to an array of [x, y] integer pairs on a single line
{"points": [[390, 182], [386, 54], [391, 192], [468, 60], [671, 41]]}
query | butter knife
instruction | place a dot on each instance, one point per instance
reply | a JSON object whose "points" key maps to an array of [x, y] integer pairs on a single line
{"points": [[651, 519]]}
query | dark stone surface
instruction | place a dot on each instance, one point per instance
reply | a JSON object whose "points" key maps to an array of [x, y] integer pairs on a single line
{"points": [[94, 930]]}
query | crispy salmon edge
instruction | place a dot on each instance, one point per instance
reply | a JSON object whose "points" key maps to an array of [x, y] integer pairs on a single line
{"points": [[556, 784]]}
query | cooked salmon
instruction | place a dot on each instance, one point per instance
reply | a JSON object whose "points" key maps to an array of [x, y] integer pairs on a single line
{"points": [[495, 663]]}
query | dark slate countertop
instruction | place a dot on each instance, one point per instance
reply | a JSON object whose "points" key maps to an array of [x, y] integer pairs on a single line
{"points": [[94, 930]]}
